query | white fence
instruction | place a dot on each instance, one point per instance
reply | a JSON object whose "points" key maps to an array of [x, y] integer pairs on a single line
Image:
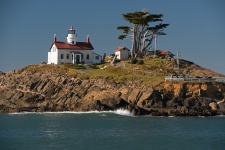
{"points": [[170, 78]]}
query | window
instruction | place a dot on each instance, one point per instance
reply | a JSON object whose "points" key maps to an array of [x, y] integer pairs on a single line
{"points": [[67, 56], [72, 42], [87, 56], [71, 31], [61, 56], [97, 57]]}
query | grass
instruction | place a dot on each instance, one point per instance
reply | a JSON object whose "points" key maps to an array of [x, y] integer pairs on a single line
{"points": [[74, 66], [151, 72], [109, 71], [116, 74]]}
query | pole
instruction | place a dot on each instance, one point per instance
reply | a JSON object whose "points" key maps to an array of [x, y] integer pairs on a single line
{"points": [[155, 47], [178, 62]]}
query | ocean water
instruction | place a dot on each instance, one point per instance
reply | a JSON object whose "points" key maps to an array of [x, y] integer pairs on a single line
{"points": [[117, 130]]}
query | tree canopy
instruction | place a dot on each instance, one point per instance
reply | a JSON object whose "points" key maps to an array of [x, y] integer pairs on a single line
{"points": [[141, 33]]}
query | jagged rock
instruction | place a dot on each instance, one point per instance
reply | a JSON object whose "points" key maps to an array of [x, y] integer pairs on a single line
{"points": [[213, 105], [30, 89]]}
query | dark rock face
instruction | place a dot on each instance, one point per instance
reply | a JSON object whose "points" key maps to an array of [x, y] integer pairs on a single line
{"points": [[27, 90]]}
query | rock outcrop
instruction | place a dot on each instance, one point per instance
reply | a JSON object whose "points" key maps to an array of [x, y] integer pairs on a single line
{"points": [[43, 89]]}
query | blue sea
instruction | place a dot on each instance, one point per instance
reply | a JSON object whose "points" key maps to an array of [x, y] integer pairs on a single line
{"points": [[116, 130]]}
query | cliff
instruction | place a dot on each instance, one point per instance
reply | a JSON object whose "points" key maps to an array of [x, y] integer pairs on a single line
{"points": [[39, 88]]}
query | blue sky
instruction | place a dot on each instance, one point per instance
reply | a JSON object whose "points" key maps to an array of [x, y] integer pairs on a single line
{"points": [[197, 28]]}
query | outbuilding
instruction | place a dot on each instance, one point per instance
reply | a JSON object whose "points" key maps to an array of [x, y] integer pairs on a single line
{"points": [[122, 53], [166, 53]]}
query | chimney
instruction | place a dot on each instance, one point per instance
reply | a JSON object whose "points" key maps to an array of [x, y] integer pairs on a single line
{"points": [[88, 39], [54, 38]]}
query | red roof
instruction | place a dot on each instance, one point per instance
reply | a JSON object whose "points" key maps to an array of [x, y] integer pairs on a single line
{"points": [[120, 48], [164, 52], [77, 46]]}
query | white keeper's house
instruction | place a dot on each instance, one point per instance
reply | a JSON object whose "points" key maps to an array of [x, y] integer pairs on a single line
{"points": [[72, 52]]}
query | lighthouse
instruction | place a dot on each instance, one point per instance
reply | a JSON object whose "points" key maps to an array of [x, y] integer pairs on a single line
{"points": [[71, 37], [72, 51]]}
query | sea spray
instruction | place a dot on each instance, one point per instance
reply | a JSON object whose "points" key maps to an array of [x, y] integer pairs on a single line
{"points": [[123, 112]]}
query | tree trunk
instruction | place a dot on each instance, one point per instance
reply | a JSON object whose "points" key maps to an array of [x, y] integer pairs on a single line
{"points": [[134, 42]]}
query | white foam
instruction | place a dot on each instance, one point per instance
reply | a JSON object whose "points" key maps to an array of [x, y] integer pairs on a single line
{"points": [[221, 116], [103, 115], [201, 116], [122, 112], [171, 116], [21, 113]]}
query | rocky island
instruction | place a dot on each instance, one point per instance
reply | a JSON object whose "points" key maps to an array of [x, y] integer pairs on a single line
{"points": [[139, 88]]}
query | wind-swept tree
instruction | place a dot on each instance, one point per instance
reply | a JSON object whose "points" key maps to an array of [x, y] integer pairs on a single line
{"points": [[142, 34]]}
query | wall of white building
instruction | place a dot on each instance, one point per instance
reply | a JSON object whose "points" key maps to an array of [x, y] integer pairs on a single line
{"points": [[53, 55], [97, 59], [63, 56], [122, 54]]}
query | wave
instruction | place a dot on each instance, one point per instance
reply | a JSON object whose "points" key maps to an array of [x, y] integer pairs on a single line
{"points": [[221, 116], [122, 112], [171, 116]]}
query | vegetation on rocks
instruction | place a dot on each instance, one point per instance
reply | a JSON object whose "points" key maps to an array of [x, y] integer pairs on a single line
{"points": [[138, 88]]}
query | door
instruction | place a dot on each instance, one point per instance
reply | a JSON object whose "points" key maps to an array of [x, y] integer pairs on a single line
{"points": [[77, 58]]}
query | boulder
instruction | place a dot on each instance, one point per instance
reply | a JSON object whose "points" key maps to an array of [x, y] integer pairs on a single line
{"points": [[213, 105]]}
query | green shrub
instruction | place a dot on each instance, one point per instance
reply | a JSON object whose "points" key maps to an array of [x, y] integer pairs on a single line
{"points": [[140, 62], [74, 66], [195, 95], [109, 77], [117, 61], [93, 66], [134, 61], [223, 95]]}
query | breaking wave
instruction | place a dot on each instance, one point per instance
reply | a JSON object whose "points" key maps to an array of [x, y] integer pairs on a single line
{"points": [[122, 112]]}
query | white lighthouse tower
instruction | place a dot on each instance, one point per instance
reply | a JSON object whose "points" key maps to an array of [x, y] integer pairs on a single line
{"points": [[71, 38]]}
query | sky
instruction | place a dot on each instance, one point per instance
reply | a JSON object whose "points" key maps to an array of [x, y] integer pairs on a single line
{"points": [[27, 27]]}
